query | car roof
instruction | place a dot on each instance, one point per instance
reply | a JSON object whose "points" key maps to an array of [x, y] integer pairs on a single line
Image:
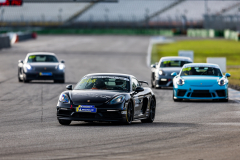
{"points": [[202, 64], [40, 53], [109, 74], [176, 57]]}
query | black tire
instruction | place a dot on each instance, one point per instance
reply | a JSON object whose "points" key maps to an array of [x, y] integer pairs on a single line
{"points": [[155, 86], [64, 122], [152, 85], [176, 100], [151, 116], [19, 79], [25, 80], [130, 114]]}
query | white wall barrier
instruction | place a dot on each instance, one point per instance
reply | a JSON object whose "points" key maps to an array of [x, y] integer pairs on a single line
{"points": [[189, 54], [221, 61]]}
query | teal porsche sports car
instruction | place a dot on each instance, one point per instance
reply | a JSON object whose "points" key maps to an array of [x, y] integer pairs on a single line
{"points": [[200, 81]]}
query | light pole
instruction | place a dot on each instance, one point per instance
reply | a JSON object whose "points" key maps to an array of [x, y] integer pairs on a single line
{"points": [[60, 15], [2, 14]]}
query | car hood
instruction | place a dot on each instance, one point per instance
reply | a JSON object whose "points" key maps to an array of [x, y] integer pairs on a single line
{"points": [[200, 80], [170, 70], [91, 96]]}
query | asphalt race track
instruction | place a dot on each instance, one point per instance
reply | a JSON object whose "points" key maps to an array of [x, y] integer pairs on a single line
{"points": [[182, 130]]}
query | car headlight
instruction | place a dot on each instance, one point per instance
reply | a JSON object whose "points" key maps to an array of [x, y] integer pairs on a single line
{"points": [[64, 98], [160, 72], [28, 66], [61, 66], [180, 81], [118, 99], [222, 82]]}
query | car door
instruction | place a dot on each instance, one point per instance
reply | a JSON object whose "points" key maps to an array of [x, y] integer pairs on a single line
{"points": [[137, 97]]}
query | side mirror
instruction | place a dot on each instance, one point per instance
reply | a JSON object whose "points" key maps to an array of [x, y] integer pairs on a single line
{"points": [[153, 66], [69, 87], [62, 61], [20, 61], [139, 89], [228, 75], [174, 74]]}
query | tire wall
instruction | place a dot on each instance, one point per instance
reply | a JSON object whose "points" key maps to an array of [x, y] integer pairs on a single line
{"points": [[4, 41]]}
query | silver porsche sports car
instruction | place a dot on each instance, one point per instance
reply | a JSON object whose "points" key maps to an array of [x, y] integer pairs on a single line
{"points": [[161, 72], [41, 66]]}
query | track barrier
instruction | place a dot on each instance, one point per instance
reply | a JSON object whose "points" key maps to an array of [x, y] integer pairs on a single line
{"points": [[4, 41], [204, 33]]}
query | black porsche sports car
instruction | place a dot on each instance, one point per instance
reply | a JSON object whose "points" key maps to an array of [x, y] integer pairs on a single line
{"points": [[107, 97], [41, 66]]}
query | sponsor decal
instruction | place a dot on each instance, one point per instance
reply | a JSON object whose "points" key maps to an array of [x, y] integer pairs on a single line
{"points": [[86, 108], [31, 57], [173, 59], [187, 69], [195, 65], [124, 112], [110, 77]]}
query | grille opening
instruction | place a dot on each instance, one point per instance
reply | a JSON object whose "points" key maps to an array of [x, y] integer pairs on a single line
{"points": [[221, 93], [111, 115], [163, 82], [201, 93], [188, 95], [66, 112], [85, 115], [181, 92]]}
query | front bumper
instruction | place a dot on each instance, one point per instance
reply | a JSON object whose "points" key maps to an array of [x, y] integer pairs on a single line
{"points": [[104, 112], [37, 76], [211, 93], [164, 81]]}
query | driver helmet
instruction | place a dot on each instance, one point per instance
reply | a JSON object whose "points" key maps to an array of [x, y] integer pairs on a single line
{"points": [[99, 83]]}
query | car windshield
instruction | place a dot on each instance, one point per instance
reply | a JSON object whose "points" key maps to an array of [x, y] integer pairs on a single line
{"points": [[104, 83], [199, 71], [42, 58], [173, 63]]}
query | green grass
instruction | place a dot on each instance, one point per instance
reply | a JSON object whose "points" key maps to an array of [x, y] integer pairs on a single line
{"points": [[203, 49]]}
